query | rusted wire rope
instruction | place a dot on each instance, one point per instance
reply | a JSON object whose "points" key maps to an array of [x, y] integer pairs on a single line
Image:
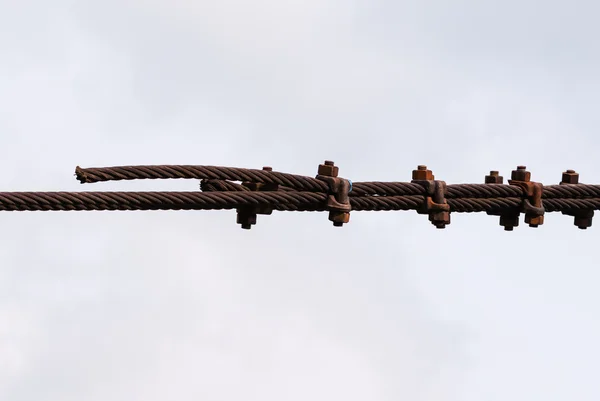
{"points": [[283, 201], [568, 204], [299, 182], [263, 191], [46, 201], [221, 185], [218, 179], [571, 191], [456, 191]]}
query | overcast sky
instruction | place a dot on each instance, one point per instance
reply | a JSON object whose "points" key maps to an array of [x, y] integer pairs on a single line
{"points": [[188, 306]]}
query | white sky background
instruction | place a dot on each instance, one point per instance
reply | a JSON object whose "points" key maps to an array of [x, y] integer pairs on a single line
{"points": [[187, 306]]}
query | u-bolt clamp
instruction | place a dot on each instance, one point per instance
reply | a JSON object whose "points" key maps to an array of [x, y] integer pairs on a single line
{"points": [[338, 200], [246, 216], [435, 204], [583, 217], [532, 204], [508, 219]]}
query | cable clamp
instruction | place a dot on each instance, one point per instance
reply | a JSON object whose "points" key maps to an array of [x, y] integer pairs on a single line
{"points": [[338, 199], [582, 217], [435, 204], [532, 203], [246, 216]]}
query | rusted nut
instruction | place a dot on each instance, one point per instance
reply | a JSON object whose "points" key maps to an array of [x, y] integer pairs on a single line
{"points": [[494, 178], [339, 218], [520, 174], [570, 177], [440, 219], [328, 169], [534, 221], [422, 174], [246, 217], [583, 219], [509, 221]]}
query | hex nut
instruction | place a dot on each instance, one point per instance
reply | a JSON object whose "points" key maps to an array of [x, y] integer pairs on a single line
{"points": [[534, 221], [570, 177], [339, 218], [440, 219], [328, 170], [583, 222], [509, 222], [494, 178], [246, 219], [422, 174], [520, 174]]}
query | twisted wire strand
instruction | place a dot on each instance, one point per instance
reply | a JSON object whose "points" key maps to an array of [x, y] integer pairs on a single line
{"points": [[221, 185], [456, 191], [414, 202], [565, 204], [303, 183], [299, 182], [473, 205], [386, 203], [290, 182], [282, 201], [483, 191], [571, 191], [75, 201], [453, 190], [386, 188]]}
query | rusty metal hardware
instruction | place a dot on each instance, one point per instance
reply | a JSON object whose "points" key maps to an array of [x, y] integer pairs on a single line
{"points": [[532, 204], [259, 186], [570, 177], [422, 174], [246, 216], [509, 219], [494, 178], [338, 201], [264, 191], [328, 169], [582, 217], [435, 204]]}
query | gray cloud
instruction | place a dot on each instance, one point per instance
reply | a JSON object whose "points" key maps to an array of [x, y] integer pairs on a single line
{"points": [[186, 305]]}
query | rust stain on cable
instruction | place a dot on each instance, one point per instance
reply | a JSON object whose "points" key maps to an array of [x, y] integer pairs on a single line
{"points": [[254, 191]]}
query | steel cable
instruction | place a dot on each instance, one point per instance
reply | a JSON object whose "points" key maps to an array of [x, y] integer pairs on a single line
{"points": [[304, 183], [566, 204], [98, 174], [290, 192], [571, 191], [283, 201], [221, 185], [46, 201]]}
